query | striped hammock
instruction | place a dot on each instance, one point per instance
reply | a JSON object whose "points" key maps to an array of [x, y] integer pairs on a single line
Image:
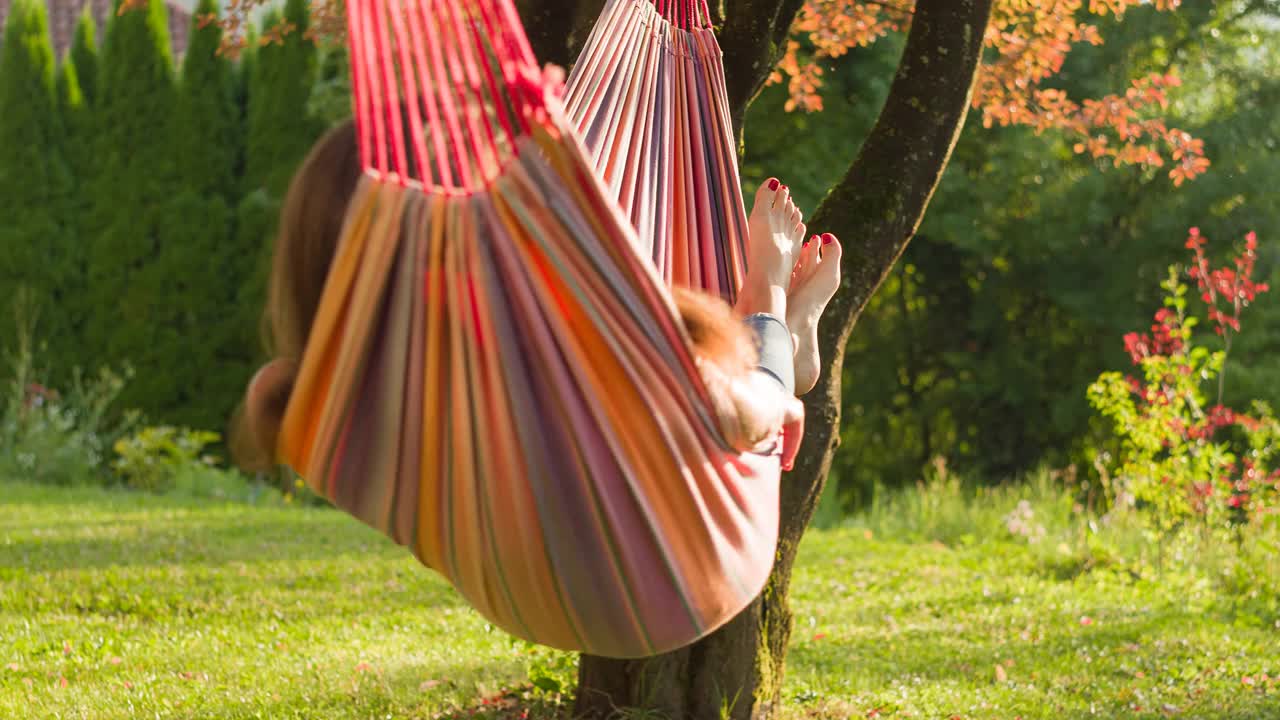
{"points": [[648, 97], [497, 378]]}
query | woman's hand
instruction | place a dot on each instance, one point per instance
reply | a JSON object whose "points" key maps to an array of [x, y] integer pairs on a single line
{"points": [[756, 413]]}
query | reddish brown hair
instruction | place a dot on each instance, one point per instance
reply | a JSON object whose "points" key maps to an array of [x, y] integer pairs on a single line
{"points": [[310, 224]]}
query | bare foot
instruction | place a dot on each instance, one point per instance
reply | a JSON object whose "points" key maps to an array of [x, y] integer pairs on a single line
{"points": [[776, 231], [813, 281]]}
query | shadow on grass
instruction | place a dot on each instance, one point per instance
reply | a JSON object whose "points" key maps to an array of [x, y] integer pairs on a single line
{"points": [[322, 537], [415, 690]]}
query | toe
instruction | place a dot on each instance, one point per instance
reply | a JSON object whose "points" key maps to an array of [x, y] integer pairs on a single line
{"points": [[831, 248], [813, 256], [808, 259], [766, 194], [830, 268]]}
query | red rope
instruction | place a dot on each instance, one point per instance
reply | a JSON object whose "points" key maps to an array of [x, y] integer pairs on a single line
{"points": [[372, 55], [460, 64], [469, 50], [434, 86], [444, 91], [358, 90], [490, 79], [410, 88], [430, 100], [390, 99]]}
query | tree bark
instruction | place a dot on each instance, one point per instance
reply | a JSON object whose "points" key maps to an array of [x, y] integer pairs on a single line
{"points": [[737, 671]]}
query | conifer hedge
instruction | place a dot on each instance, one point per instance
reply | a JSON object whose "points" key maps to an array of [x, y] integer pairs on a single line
{"points": [[140, 200], [34, 183]]}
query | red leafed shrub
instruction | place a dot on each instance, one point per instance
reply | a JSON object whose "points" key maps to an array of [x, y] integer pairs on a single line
{"points": [[1184, 457]]}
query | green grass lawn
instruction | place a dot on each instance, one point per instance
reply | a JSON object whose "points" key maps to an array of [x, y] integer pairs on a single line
{"points": [[122, 605]]}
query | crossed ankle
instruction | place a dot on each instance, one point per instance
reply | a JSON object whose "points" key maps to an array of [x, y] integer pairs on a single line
{"points": [[798, 320], [762, 297]]}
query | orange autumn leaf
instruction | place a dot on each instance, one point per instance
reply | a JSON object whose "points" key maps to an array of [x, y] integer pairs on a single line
{"points": [[1027, 43]]}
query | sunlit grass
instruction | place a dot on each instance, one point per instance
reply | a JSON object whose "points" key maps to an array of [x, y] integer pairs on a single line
{"points": [[122, 605]]}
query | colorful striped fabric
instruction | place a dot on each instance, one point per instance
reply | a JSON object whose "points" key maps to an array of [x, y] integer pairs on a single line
{"points": [[497, 379], [648, 97]]}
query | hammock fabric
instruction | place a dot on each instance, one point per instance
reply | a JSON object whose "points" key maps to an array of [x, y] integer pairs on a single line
{"points": [[648, 97], [496, 377]]}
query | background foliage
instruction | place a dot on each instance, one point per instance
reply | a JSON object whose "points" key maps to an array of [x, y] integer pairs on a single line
{"points": [[143, 190], [145, 206], [1033, 260]]}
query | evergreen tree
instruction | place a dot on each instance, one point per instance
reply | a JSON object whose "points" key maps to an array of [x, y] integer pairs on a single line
{"points": [[84, 54], [33, 180], [130, 317], [331, 98], [210, 363], [209, 131], [77, 147], [281, 130]]}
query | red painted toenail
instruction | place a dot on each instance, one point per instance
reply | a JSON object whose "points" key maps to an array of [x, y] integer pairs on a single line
{"points": [[828, 238], [773, 184]]}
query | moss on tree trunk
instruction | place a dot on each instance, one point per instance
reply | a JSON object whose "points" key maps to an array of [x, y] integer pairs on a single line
{"points": [[737, 672]]}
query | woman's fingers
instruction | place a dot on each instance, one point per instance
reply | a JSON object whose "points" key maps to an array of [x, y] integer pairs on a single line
{"points": [[792, 432]]}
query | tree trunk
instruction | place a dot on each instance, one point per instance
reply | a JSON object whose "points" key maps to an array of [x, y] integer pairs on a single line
{"points": [[737, 671]]}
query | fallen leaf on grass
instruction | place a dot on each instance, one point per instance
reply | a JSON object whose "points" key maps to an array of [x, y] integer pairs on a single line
{"points": [[1001, 675], [14, 667], [429, 684], [1085, 620], [116, 660]]}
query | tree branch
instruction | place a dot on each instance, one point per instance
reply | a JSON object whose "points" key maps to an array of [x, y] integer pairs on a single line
{"points": [[557, 29], [876, 209], [753, 35]]}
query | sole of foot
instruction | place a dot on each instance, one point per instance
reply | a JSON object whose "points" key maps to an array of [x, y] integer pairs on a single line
{"points": [[814, 281], [775, 234]]}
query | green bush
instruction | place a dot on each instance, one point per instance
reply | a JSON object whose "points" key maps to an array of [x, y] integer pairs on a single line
{"points": [[57, 438], [1181, 455], [153, 457], [204, 481]]}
